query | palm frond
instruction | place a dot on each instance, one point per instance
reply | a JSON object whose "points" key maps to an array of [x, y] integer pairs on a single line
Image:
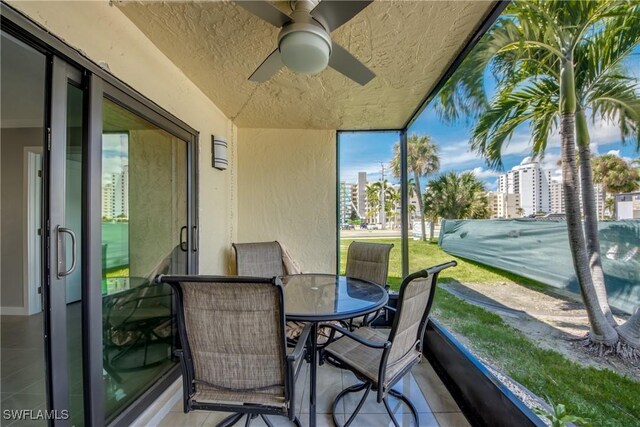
{"points": [[535, 101]]}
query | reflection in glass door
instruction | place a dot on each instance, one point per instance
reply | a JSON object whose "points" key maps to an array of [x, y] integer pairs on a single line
{"points": [[22, 346], [144, 216]]}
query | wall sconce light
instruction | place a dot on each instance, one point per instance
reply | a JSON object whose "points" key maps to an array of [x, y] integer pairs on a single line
{"points": [[219, 152]]}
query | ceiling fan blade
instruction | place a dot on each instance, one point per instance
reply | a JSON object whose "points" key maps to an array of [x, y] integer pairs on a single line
{"points": [[266, 11], [268, 68], [334, 13], [341, 60]]}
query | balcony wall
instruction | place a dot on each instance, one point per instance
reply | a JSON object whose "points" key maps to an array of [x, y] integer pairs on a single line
{"points": [[105, 35], [287, 192]]}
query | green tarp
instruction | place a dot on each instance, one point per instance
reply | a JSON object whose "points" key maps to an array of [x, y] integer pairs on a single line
{"points": [[540, 250]]}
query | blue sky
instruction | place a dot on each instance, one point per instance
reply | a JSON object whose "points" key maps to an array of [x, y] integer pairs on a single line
{"points": [[364, 151]]}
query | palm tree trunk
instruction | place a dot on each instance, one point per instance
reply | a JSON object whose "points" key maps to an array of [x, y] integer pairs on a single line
{"points": [[601, 330], [630, 331], [590, 215], [416, 178], [432, 228]]}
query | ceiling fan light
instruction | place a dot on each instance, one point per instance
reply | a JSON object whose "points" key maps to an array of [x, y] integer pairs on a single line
{"points": [[305, 52]]}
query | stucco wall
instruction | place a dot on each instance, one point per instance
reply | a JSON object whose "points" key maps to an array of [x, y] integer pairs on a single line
{"points": [[157, 193], [104, 34], [287, 192]]}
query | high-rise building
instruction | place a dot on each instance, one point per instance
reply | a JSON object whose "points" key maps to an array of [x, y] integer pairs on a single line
{"points": [[557, 197], [345, 202], [362, 194], [107, 200], [531, 182], [119, 203], [504, 205], [556, 192], [353, 188]]}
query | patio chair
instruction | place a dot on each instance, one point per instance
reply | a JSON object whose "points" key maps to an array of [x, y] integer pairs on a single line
{"points": [[262, 259], [370, 262], [268, 259], [234, 356], [381, 358]]}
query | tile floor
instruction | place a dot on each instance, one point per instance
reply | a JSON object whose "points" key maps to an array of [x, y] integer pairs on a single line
{"points": [[435, 405]]}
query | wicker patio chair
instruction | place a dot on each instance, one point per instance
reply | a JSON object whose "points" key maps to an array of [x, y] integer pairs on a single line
{"points": [[234, 356], [370, 262], [381, 358]]}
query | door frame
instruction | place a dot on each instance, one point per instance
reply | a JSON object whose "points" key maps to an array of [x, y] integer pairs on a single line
{"points": [[62, 73], [32, 196], [97, 82]]}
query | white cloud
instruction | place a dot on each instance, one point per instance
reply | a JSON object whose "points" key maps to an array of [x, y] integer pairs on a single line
{"points": [[614, 152], [482, 173], [551, 161]]}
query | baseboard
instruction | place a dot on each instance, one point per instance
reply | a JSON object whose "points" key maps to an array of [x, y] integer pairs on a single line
{"points": [[14, 311], [159, 409]]}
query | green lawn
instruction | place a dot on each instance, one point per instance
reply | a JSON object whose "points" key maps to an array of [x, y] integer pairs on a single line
{"points": [[425, 254], [605, 397]]}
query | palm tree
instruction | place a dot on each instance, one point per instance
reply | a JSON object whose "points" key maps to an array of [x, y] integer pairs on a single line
{"points": [[422, 160], [554, 60], [456, 196], [392, 201], [373, 201], [614, 174]]}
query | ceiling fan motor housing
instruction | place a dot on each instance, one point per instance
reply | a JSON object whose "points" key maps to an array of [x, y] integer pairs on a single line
{"points": [[305, 45]]}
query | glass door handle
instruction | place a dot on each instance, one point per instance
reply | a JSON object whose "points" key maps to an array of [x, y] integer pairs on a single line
{"points": [[194, 237], [183, 242], [59, 232]]}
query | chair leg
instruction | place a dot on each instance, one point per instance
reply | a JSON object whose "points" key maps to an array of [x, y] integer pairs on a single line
{"points": [[352, 389], [230, 420], [393, 417], [407, 402], [266, 420], [250, 417], [296, 422]]}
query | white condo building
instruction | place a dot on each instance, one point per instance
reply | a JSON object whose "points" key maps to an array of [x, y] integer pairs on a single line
{"points": [[531, 182], [107, 200], [504, 205], [115, 195], [557, 197], [345, 202]]}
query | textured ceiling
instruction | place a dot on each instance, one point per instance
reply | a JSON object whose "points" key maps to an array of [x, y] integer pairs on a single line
{"points": [[408, 44]]}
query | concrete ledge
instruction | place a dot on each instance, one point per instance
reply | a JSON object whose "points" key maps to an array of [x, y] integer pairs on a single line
{"points": [[483, 399]]}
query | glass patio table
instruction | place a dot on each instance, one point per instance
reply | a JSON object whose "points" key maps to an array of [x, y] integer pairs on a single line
{"points": [[319, 298]]}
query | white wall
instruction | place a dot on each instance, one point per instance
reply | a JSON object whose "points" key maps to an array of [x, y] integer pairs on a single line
{"points": [[13, 218], [104, 34], [287, 192]]}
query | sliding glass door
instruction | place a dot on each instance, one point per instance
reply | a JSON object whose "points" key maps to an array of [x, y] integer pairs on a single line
{"points": [[145, 232], [23, 94], [96, 198], [67, 283]]}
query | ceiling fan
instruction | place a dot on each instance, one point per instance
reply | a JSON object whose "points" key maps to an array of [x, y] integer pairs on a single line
{"points": [[304, 43]]}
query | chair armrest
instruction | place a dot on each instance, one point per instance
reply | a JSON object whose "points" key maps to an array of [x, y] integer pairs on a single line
{"points": [[387, 307], [372, 344], [298, 351]]}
